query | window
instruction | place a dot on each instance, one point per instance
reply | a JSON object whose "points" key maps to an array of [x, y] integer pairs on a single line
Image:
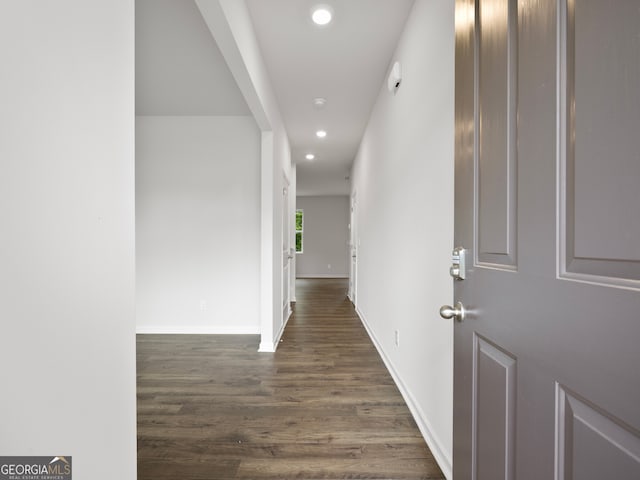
{"points": [[299, 230]]}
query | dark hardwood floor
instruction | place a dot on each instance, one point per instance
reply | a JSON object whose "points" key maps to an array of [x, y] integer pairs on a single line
{"points": [[322, 407]]}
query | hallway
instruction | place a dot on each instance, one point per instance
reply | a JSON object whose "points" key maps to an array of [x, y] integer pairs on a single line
{"points": [[324, 406]]}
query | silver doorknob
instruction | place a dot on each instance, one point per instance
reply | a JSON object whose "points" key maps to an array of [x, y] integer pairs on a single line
{"points": [[457, 312]]}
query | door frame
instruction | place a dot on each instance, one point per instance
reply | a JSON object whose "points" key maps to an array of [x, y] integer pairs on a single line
{"points": [[353, 250]]}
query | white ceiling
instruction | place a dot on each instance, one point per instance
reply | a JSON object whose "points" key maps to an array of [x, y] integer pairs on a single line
{"points": [[179, 68], [346, 62], [180, 71]]}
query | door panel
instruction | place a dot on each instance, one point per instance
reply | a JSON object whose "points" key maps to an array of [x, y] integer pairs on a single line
{"points": [[600, 145], [496, 169], [494, 390], [547, 383], [590, 444]]}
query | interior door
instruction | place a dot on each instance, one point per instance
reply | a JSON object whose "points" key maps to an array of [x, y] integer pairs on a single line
{"points": [[353, 251], [286, 253], [547, 356]]}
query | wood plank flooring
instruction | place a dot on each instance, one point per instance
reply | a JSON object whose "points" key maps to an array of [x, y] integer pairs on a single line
{"points": [[322, 407]]}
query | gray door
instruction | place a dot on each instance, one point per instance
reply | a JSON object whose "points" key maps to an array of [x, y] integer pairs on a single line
{"points": [[547, 358]]}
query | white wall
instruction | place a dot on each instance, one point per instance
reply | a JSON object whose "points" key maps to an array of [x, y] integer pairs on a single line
{"points": [[403, 177], [198, 224], [325, 237], [67, 359], [231, 25]]}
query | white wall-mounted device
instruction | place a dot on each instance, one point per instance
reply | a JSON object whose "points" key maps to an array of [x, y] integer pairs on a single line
{"points": [[395, 78]]}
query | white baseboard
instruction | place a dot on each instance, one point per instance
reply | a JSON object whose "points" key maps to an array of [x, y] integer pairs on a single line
{"points": [[271, 347], [267, 347], [193, 330], [322, 275], [424, 425]]}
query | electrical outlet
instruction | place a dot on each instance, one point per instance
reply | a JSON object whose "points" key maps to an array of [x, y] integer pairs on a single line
{"points": [[329, 266], [397, 338], [203, 305]]}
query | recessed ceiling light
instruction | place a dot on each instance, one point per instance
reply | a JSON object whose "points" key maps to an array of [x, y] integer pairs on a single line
{"points": [[310, 156], [322, 15], [319, 102], [321, 134]]}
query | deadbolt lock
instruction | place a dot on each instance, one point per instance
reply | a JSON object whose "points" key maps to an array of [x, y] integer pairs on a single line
{"points": [[458, 264]]}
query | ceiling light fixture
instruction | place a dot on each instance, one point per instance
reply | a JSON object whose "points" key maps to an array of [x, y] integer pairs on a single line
{"points": [[319, 102], [322, 15], [310, 156], [321, 134]]}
